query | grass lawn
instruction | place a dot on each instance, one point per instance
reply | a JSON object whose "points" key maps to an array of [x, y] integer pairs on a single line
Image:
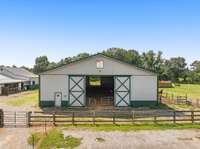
{"points": [[53, 139], [24, 98], [192, 90], [177, 107], [135, 127]]}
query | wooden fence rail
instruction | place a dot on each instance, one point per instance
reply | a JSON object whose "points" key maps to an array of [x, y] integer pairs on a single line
{"points": [[95, 117]]}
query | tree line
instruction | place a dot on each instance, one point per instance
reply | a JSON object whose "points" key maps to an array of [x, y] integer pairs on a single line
{"points": [[175, 68]]}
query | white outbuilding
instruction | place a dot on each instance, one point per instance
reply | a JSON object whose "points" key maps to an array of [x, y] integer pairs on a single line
{"points": [[98, 80]]}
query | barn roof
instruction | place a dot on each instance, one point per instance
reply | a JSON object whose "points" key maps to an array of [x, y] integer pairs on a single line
{"points": [[106, 56], [8, 80], [19, 72]]}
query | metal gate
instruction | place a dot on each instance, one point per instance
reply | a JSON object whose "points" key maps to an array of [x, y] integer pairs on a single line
{"points": [[15, 119], [122, 91], [77, 91]]}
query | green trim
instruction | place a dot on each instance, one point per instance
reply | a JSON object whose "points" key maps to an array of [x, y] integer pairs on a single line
{"points": [[64, 103], [143, 103], [47, 103]]}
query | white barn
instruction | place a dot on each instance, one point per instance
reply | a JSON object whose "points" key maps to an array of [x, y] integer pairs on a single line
{"points": [[98, 80]]}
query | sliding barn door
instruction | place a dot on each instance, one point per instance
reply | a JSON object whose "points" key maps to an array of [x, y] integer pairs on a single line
{"points": [[77, 91], [122, 91]]}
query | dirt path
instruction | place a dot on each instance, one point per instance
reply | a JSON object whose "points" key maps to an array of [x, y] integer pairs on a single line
{"points": [[170, 139], [14, 138]]}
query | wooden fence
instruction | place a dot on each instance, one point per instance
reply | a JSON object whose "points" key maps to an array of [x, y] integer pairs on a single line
{"points": [[171, 98], [105, 117]]}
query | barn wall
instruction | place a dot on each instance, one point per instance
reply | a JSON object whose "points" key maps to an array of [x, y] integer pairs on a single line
{"points": [[49, 84], [143, 90], [35, 79]]}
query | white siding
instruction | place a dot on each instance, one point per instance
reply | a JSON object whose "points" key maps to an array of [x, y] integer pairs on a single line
{"points": [[51, 84], [36, 80], [143, 88]]}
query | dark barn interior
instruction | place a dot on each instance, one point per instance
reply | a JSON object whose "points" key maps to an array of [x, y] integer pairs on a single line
{"points": [[100, 90]]}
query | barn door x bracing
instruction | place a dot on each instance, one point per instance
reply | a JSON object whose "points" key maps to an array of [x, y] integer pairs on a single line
{"points": [[77, 90], [122, 91]]}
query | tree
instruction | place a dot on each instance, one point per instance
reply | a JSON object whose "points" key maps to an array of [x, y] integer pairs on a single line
{"points": [[133, 57], [196, 66], [152, 61], [41, 64], [176, 68]]}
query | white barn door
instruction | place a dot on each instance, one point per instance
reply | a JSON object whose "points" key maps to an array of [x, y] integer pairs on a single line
{"points": [[122, 91], [77, 91]]}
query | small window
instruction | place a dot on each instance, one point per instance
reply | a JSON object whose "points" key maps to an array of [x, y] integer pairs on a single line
{"points": [[99, 64]]}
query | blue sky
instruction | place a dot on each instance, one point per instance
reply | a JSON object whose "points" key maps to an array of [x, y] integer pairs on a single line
{"points": [[62, 28]]}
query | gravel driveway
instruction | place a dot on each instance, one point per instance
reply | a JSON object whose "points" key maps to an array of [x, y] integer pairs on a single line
{"points": [[169, 139], [16, 138]]}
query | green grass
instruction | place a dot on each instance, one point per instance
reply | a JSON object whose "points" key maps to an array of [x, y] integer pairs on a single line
{"points": [[34, 138], [176, 107], [135, 127], [56, 139], [25, 98], [192, 90]]}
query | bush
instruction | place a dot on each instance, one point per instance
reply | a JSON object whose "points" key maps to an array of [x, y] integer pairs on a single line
{"points": [[56, 139]]}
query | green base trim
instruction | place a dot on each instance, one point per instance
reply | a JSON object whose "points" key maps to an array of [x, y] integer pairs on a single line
{"points": [[47, 103], [50, 103], [64, 104], [143, 103]]}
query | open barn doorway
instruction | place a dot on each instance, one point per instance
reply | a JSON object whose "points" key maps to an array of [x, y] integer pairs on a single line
{"points": [[100, 90]]}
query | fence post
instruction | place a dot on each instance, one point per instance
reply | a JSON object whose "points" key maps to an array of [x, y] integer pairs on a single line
{"points": [[197, 102], [29, 119], [54, 118], [113, 117], [155, 119], [1, 118], [15, 119], [94, 117], [192, 117], [73, 118], [133, 116], [174, 117]]}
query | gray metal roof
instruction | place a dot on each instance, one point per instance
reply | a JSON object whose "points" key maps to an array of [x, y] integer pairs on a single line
{"points": [[8, 80], [20, 72]]}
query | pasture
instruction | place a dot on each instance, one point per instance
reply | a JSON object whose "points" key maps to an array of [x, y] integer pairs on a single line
{"points": [[191, 90]]}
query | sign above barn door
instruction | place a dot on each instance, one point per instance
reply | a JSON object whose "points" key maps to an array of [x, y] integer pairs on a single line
{"points": [[77, 91], [122, 91]]}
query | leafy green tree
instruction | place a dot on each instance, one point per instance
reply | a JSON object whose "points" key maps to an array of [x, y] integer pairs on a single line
{"points": [[152, 61], [176, 68], [41, 64]]}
